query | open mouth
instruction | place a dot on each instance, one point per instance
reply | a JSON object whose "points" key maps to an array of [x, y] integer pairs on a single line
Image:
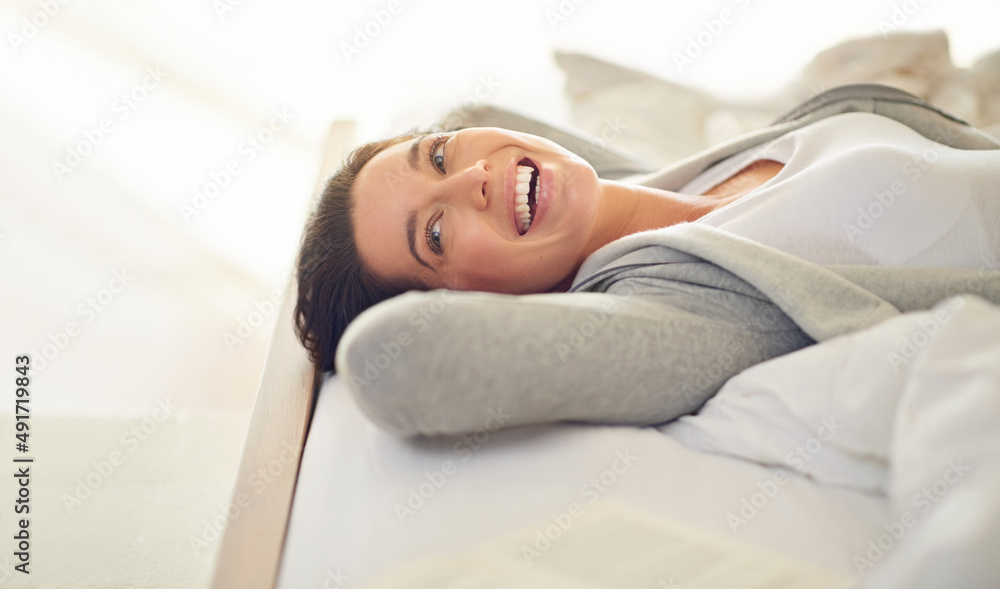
{"points": [[525, 195]]}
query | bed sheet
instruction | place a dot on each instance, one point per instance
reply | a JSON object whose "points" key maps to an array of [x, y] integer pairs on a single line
{"points": [[367, 502], [909, 407]]}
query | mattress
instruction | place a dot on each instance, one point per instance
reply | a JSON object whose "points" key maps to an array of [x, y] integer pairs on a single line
{"points": [[368, 503]]}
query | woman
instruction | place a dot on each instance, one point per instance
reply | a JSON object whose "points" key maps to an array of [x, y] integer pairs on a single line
{"points": [[502, 212]]}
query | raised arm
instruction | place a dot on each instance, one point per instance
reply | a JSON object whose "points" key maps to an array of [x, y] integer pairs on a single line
{"points": [[646, 351]]}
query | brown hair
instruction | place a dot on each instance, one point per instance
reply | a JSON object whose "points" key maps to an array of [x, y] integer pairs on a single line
{"points": [[334, 285]]}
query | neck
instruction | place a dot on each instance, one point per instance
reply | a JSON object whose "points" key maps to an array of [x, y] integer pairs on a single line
{"points": [[625, 209], [628, 208]]}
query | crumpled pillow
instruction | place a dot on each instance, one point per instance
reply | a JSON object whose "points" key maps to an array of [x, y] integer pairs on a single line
{"points": [[663, 121]]}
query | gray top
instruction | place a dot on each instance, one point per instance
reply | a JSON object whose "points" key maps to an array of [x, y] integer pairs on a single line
{"points": [[653, 325]]}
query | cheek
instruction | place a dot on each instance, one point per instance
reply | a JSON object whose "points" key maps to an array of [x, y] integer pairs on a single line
{"points": [[531, 272], [488, 267], [585, 187], [487, 262]]}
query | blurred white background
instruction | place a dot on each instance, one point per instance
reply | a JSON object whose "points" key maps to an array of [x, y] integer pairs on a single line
{"points": [[115, 115]]}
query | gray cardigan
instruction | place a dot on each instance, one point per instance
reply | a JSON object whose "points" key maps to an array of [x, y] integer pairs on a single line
{"points": [[654, 323]]}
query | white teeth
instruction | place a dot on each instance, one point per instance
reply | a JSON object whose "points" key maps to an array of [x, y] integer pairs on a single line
{"points": [[521, 189]]}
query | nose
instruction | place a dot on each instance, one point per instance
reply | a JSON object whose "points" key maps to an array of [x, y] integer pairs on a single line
{"points": [[470, 185]]}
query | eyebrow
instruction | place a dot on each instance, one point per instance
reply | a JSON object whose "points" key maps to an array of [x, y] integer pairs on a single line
{"points": [[414, 157], [411, 235]]}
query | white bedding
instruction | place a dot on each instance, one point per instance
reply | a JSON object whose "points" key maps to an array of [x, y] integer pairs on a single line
{"points": [[918, 411], [344, 522], [915, 403]]}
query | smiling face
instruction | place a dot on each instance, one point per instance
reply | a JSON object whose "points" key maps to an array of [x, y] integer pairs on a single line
{"points": [[443, 209]]}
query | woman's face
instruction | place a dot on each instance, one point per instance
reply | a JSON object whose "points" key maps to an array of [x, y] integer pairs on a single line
{"points": [[442, 209]]}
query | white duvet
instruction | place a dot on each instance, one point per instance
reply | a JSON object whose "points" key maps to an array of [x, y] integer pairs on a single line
{"points": [[911, 409]]}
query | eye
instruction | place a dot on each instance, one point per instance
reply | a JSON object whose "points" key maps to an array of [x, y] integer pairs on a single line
{"points": [[434, 235], [437, 154]]}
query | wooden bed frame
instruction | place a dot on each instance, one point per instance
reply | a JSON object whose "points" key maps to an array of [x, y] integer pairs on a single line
{"points": [[250, 553]]}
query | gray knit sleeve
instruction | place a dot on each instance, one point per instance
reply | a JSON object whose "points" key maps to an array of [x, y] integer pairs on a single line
{"points": [[644, 351]]}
